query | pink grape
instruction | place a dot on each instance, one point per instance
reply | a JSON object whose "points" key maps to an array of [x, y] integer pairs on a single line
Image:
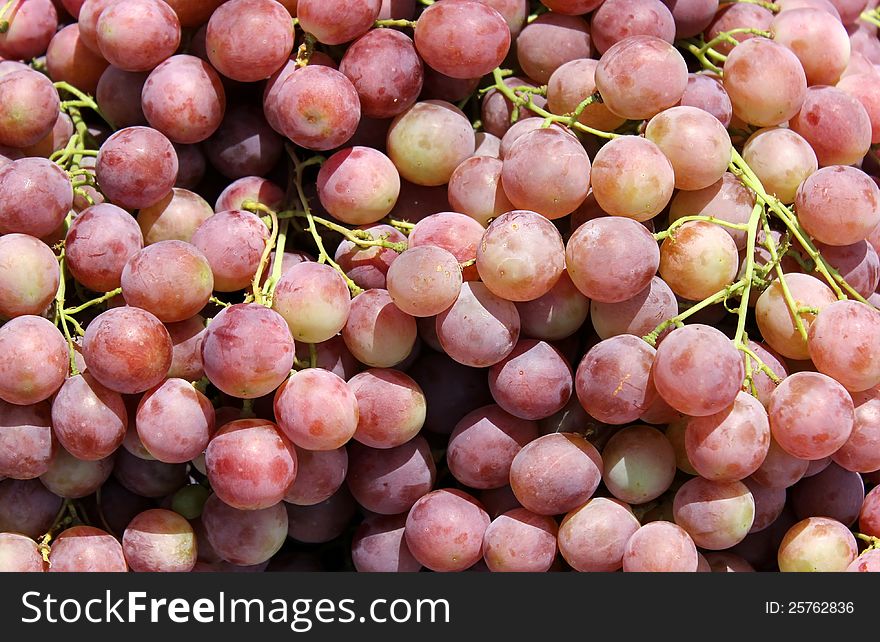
{"points": [[429, 140], [521, 256], [520, 541], [247, 351], [811, 415], [337, 22], [29, 275], [708, 94], [844, 343], [317, 108], [615, 20], [697, 370], [391, 407], [423, 281], [250, 464], [640, 76], [393, 90], [175, 403], [89, 419], [136, 167], [835, 492], [547, 171], [378, 333], [35, 196], [27, 507], [137, 35], [233, 241], [475, 189], [483, 445], [596, 249], [729, 445], [444, 530], [236, 26], [550, 41], [358, 185], [186, 339], [867, 562], [613, 379], [869, 516], [26, 440], [19, 554], [836, 125], [593, 537], [769, 503], [695, 142], [86, 549], [780, 469], [390, 480], [860, 452], [858, 264], [801, 30], [457, 233], [171, 279], [817, 544], [480, 329], [691, 16], [660, 547], [316, 410], [379, 546], [244, 144], [774, 317], [765, 82], [249, 188], [838, 205], [555, 473], [119, 96], [465, 39], [31, 26], [716, 515], [36, 360], [557, 314], [184, 99], [175, 218], [244, 537], [632, 177], [314, 301], [740, 16], [571, 84], [639, 464], [862, 88], [148, 477], [99, 243], [29, 108], [72, 478], [159, 541], [127, 349], [319, 474], [637, 315], [781, 159]]}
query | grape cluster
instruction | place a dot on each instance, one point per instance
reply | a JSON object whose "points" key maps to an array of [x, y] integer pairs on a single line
{"points": [[453, 285]]}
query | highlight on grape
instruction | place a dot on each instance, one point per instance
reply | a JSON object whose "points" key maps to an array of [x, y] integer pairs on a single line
{"points": [[439, 285]]}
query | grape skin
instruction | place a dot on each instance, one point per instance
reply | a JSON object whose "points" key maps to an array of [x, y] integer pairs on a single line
{"points": [[36, 360], [389, 481], [592, 538]]}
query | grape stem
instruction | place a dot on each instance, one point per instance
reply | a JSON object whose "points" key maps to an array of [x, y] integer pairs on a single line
{"points": [[395, 23], [101, 299], [673, 227], [83, 100], [872, 16], [4, 23], [61, 317], [526, 102], [711, 300], [873, 542], [323, 256], [305, 50], [264, 260]]}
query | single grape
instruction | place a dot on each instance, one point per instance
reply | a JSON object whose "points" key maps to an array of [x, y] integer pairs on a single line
{"points": [[379, 546], [29, 275], [136, 167], [20, 554], [244, 537], [571, 84], [358, 185], [593, 537], [89, 419], [817, 544], [424, 280], [314, 300], [337, 21], [29, 108], [86, 549], [247, 351], [520, 541], [378, 333], [321, 522], [118, 94], [716, 515], [73, 478], [159, 541], [26, 440], [660, 547], [316, 410], [319, 474], [550, 41], [391, 407], [638, 315], [836, 125], [35, 360], [389, 481], [835, 493]]}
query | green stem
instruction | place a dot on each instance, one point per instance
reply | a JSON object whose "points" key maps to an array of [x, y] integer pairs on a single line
{"points": [[264, 260], [323, 256], [751, 240], [527, 103], [769, 6], [61, 318], [670, 231], [104, 297], [275, 276], [4, 23], [313, 356], [395, 23], [718, 297], [82, 100], [871, 16]]}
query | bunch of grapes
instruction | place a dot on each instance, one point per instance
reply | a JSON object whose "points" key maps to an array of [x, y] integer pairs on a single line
{"points": [[452, 285]]}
